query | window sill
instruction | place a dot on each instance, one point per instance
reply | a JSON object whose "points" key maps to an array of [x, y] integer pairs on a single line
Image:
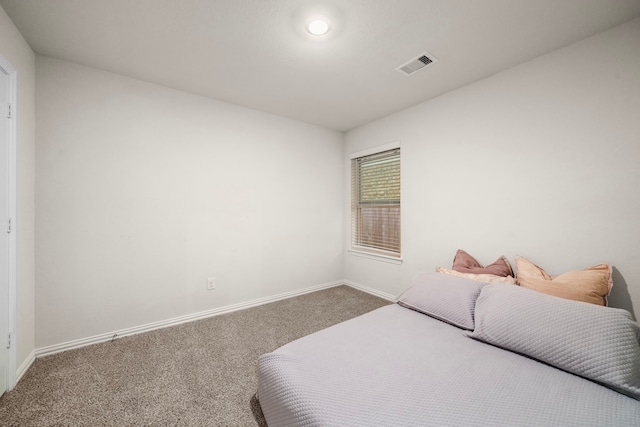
{"points": [[377, 257]]}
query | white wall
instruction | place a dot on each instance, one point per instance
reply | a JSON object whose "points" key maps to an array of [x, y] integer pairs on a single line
{"points": [[16, 50], [541, 160], [143, 192]]}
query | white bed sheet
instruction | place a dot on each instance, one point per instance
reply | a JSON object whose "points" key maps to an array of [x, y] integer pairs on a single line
{"points": [[396, 367]]}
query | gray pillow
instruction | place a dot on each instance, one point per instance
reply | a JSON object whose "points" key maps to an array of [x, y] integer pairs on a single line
{"points": [[598, 343], [445, 297]]}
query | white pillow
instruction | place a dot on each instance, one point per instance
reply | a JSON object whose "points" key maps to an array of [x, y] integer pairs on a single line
{"points": [[595, 342], [448, 298]]}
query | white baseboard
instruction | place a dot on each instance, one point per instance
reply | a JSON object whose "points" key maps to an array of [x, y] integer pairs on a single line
{"points": [[371, 291], [22, 369], [70, 345]]}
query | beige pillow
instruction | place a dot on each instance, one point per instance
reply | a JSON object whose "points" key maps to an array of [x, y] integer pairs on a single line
{"points": [[591, 285], [486, 278]]}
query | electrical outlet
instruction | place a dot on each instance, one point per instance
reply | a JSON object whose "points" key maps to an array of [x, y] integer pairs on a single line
{"points": [[211, 283]]}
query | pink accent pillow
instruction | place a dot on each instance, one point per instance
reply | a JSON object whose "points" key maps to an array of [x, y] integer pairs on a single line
{"points": [[465, 263], [486, 278]]}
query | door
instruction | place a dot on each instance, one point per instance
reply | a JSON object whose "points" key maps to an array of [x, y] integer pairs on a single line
{"points": [[4, 235]]}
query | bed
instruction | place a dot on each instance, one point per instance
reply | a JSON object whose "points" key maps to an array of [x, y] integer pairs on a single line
{"points": [[456, 352]]}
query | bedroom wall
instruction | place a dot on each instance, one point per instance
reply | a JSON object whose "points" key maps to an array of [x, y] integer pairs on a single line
{"points": [[16, 50], [541, 160], [143, 192]]}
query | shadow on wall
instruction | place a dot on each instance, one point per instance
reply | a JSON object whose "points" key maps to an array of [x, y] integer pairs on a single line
{"points": [[620, 297]]}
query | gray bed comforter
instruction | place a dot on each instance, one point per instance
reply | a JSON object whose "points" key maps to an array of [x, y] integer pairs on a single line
{"points": [[397, 367]]}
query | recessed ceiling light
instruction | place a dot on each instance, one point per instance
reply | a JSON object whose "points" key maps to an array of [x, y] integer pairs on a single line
{"points": [[318, 27]]}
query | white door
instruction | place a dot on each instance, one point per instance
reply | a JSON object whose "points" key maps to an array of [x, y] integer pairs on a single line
{"points": [[4, 236]]}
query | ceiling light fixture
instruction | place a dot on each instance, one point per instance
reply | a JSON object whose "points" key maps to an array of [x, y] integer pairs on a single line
{"points": [[318, 27]]}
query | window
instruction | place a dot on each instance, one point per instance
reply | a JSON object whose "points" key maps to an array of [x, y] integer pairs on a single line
{"points": [[375, 202]]}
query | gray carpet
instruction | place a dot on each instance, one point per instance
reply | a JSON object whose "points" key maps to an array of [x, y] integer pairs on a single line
{"points": [[197, 374]]}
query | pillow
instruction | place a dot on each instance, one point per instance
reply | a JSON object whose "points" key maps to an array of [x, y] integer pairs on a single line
{"points": [[465, 263], [486, 278], [598, 343], [447, 298], [592, 284]]}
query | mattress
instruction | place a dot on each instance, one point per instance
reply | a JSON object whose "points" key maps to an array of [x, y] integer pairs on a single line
{"points": [[396, 367]]}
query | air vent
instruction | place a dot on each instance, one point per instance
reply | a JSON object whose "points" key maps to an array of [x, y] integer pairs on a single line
{"points": [[417, 64]]}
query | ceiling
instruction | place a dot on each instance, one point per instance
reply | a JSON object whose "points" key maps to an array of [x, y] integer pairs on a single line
{"points": [[256, 53]]}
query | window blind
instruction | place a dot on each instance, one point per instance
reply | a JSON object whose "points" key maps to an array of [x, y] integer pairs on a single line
{"points": [[375, 203]]}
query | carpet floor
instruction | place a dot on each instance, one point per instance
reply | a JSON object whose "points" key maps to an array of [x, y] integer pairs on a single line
{"points": [[201, 373]]}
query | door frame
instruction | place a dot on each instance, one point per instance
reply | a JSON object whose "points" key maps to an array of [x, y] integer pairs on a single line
{"points": [[12, 73]]}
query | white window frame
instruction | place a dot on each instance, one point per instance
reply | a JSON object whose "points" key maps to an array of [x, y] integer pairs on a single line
{"points": [[367, 252]]}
